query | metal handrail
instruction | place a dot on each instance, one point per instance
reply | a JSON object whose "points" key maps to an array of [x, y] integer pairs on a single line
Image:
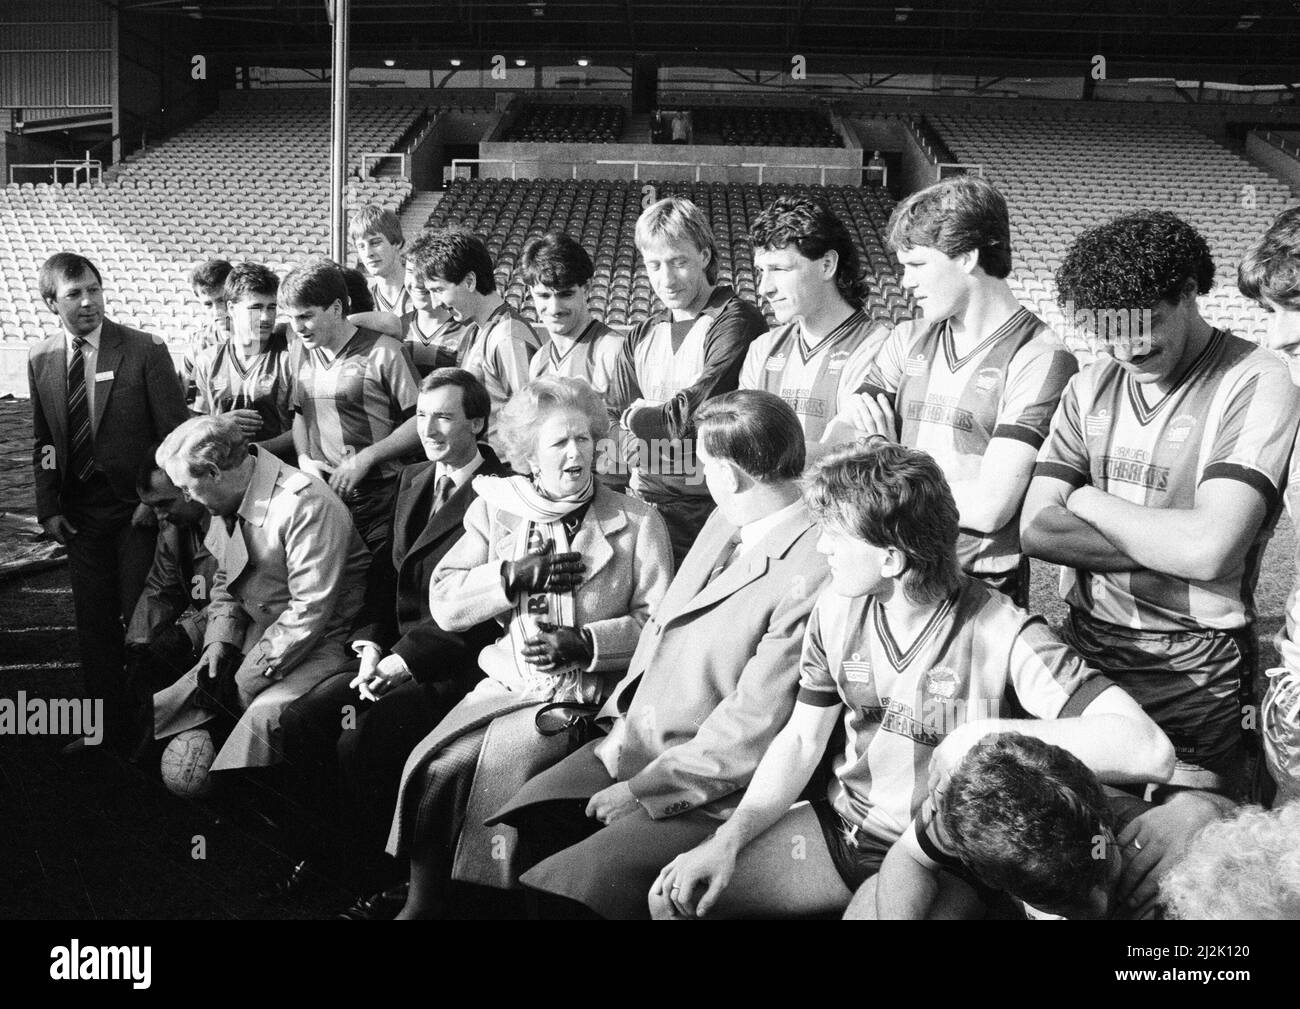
{"points": [[970, 167], [76, 165], [380, 155], [636, 164], [1281, 143]]}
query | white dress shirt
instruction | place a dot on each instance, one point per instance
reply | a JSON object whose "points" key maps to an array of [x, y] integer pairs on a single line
{"points": [[460, 476], [752, 532]]}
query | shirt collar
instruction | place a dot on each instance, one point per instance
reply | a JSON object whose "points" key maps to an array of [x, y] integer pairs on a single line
{"points": [[459, 476], [266, 468], [752, 532], [91, 338]]}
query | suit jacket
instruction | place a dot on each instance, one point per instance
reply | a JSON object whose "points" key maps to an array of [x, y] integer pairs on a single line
{"points": [[134, 410], [288, 588], [629, 566], [625, 546], [396, 614], [178, 586], [292, 574], [713, 679]]}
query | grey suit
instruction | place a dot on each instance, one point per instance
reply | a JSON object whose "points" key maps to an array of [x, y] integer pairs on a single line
{"points": [[137, 401], [712, 682]]}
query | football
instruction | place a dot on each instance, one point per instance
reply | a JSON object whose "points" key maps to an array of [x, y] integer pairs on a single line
{"points": [[185, 763]]}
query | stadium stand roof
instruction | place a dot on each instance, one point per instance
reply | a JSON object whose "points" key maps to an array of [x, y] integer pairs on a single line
{"points": [[1241, 41]]}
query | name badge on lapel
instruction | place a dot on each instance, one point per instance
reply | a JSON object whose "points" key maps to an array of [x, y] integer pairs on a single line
{"points": [[103, 376]]}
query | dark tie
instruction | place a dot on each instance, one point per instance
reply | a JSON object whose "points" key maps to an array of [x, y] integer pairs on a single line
{"points": [[443, 489], [725, 558], [83, 449]]}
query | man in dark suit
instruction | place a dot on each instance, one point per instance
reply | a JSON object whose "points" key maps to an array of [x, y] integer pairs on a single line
{"points": [[347, 741], [102, 396]]}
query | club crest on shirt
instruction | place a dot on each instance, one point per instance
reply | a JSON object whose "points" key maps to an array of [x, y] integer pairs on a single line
{"points": [[1179, 428], [837, 361], [775, 363], [1097, 424], [942, 682], [916, 365], [988, 380], [856, 669]]}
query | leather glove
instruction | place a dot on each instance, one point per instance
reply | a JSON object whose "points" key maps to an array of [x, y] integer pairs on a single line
{"points": [[558, 646], [542, 572], [220, 695]]}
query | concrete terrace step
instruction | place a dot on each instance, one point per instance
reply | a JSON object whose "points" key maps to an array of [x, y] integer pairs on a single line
{"points": [[416, 213]]}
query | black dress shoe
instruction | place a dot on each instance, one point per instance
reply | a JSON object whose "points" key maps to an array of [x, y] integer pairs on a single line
{"points": [[378, 906], [304, 880]]}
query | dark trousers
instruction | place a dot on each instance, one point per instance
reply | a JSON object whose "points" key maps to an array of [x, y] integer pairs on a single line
{"points": [[343, 764], [1013, 583], [108, 562]]}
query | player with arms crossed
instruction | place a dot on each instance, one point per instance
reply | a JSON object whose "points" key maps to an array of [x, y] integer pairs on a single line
{"points": [[921, 659], [975, 380], [823, 343], [1159, 486], [676, 360]]}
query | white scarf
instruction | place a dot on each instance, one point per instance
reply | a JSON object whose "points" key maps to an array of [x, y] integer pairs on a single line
{"points": [[542, 531]]}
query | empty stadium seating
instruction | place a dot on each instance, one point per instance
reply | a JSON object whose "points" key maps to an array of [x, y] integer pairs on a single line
{"points": [[764, 127], [1061, 176], [237, 185], [567, 124], [602, 215]]}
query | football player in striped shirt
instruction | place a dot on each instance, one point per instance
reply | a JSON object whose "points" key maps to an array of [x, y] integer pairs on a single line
{"points": [[431, 336], [1160, 485], [818, 354], [1023, 818], [249, 376], [375, 234], [1269, 275], [207, 281], [354, 398], [975, 380], [918, 661], [676, 360], [558, 272], [498, 343]]}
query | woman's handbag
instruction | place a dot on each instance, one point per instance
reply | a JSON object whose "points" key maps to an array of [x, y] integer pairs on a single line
{"points": [[576, 718]]}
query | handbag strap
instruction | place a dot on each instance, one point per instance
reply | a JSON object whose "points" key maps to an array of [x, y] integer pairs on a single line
{"points": [[579, 708]]}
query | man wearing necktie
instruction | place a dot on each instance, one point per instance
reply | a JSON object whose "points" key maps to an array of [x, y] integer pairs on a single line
{"points": [[344, 771], [102, 396], [712, 681]]}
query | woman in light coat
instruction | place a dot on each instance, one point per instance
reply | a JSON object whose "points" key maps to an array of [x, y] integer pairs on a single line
{"points": [[572, 571]]}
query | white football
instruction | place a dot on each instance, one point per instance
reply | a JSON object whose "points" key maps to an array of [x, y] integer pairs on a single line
{"points": [[186, 761]]}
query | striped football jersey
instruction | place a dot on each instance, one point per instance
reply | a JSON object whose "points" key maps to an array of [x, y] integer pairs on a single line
{"points": [[1232, 416], [901, 700], [952, 406]]}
